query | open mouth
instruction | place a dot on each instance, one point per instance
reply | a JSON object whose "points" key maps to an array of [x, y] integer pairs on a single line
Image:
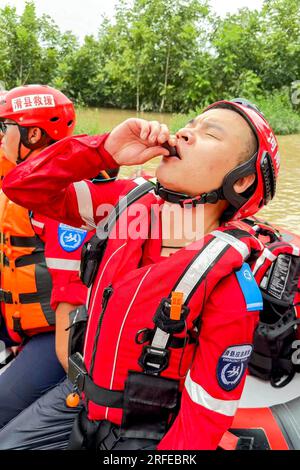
{"points": [[173, 151]]}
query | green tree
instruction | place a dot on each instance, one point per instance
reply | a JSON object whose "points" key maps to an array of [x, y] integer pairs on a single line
{"points": [[31, 48], [280, 43]]}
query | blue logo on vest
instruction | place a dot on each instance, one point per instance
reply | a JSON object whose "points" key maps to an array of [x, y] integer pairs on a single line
{"points": [[70, 238], [232, 366]]}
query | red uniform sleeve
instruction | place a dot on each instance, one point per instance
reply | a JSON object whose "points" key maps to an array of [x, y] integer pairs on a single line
{"points": [[214, 384], [52, 183], [63, 262]]}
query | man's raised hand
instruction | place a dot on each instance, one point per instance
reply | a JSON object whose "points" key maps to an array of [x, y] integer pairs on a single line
{"points": [[136, 141]]}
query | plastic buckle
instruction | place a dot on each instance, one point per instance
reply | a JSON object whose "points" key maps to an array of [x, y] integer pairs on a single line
{"points": [[111, 439], [144, 335], [77, 371], [6, 297], [154, 360], [185, 203]]}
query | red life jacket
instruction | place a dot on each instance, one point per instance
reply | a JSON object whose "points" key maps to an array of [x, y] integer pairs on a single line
{"points": [[130, 296]]}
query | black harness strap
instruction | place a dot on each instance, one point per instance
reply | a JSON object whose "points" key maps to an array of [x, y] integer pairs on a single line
{"points": [[93, 250]]}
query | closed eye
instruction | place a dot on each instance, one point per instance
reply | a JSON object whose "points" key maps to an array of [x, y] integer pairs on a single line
{"points": [[211, 135]]}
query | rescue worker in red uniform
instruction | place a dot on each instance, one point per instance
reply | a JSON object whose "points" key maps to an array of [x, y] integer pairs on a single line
{"points": [[169, 337], [33, 117]]}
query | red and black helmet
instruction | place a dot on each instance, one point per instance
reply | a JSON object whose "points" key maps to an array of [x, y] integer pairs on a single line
{"points": [[264, 163], [39, 106]]}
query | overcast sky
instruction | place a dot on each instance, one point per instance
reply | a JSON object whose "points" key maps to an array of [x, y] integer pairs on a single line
{"points": [[83, 16]]}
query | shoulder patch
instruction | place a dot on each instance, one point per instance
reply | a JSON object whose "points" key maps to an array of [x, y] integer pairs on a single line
{"points": [[70, 238], [250, 289], [232, 366]]}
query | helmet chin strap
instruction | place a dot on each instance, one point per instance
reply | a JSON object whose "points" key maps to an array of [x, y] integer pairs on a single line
{"points": [[20, 159], [226, 192], [44, 141], [184, 199]]}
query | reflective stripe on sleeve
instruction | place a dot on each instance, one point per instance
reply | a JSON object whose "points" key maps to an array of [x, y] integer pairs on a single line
{"points": [[37, 224], [199, 396], [85, 203], [63, 264]]}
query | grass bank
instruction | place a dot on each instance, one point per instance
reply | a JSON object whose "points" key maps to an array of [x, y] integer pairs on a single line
{"points": [[277, 108]]}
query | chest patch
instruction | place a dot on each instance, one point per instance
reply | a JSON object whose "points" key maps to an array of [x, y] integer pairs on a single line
{"points": [[70, 238], [232, 366]]}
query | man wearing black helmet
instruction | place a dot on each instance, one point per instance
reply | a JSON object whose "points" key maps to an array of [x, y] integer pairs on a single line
{"points": [[169, 337]]}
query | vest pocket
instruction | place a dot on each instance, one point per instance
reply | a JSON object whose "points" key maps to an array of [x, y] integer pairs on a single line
{"points": [[150, 406]]}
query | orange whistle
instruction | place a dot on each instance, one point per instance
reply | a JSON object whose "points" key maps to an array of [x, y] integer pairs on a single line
{"points": [[72, 400], [105, 174], [176, 304]]}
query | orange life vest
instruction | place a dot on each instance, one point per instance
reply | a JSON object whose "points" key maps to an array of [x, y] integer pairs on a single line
{"points": [[25, 281], [5, 166]]}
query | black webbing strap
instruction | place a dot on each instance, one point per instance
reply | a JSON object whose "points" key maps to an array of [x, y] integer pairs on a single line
{"points": [[27, 242], [134, 195], [6, 297], [94, 249], [78, 375]]}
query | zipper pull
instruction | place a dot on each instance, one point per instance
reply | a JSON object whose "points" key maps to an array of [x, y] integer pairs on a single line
{"points": [[106, 295]]}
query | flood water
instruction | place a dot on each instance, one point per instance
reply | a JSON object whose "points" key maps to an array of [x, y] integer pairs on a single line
{"points": [[284, 210]]}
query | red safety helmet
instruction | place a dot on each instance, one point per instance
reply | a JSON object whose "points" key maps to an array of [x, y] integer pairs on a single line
{"points": [[264, 163], [39, 106]]}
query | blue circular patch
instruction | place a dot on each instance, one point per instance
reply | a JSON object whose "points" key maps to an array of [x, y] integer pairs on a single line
{"points": [[70, 238], [232, 365]]}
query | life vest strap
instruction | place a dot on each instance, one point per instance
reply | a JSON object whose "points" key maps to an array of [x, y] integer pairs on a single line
{"points": [[26, 298], [27, 260], [146, 335], [6, 297], [27, 242], [93, 250], [29, 298], [78, 375]]}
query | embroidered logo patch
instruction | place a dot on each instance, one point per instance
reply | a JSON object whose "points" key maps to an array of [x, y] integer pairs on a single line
{"points": [[232, 366], [70, 238], [32, 102]]}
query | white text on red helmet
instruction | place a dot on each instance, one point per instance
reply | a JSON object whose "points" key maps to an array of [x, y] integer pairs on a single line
{"points": [[32, 101], [272, 142]]}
